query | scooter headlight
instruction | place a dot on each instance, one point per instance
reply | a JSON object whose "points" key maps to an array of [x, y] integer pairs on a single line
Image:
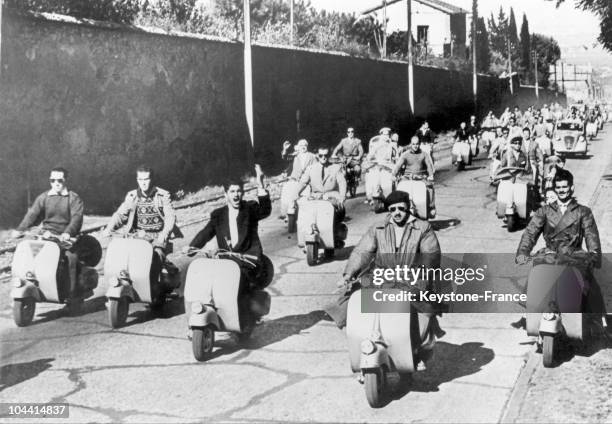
{"points": [[368, 347], [30, 276], [17, 282], [548, 316], [197, 308]]}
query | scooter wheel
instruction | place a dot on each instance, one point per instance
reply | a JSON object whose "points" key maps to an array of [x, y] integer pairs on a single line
{"points": [[379, 206], [202, 342], [291, 223], [23, 311], [312, 253], [548, 351], [118, 311], [374, 385]]}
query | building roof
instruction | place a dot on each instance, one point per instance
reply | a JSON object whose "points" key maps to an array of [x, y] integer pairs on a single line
{"points": [[438, 5], [443, 6]]}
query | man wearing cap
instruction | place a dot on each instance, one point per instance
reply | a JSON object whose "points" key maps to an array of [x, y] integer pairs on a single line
{"points": [[401, 239], [350, 148]]}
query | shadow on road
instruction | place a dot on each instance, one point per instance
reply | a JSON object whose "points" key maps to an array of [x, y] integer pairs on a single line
{"points": [[270, 332], [172, 308], [443, 224], [450, 361], [13, 374], [95, 304]]}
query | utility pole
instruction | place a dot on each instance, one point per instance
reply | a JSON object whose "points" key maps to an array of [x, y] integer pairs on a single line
{"points": [[1, 7], [291, 21], [248, 76], [384, 40], [410, 67], [510, 65], [562, 79], [535, 65], [474, 68]]}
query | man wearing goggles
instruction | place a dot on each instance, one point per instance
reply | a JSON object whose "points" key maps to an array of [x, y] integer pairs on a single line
{"points": [[402, 239]]}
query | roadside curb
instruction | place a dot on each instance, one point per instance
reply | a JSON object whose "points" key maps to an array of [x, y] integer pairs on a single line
{"points": [[515, 403]]}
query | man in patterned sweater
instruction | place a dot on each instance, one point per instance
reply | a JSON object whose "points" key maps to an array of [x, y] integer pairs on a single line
{"points": [[148, 212]]}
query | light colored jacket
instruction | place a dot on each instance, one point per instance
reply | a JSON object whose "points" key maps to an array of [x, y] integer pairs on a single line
{"points": [[334, 179]]}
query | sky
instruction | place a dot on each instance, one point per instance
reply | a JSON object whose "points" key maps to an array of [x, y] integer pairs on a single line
{"points": [[573, 28]]}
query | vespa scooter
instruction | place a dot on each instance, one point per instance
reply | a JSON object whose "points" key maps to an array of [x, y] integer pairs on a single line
{"points": [[514, 196], [316, 229], [380, 344], [40, 273], [211, 297], [127, 269], [422, 199]]}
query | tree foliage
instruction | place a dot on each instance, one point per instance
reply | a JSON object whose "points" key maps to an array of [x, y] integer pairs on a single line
{"points": [[526, 49], [548, 52], [603, 9]]}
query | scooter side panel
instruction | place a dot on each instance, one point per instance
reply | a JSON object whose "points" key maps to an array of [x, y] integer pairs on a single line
{"points": [[417, 190], [325, 223], [560, 283], [42, 258], [504, 197], [519, 197], [386, 182], [289, 194], [358, 328], [218, 279], [135, 256], [371, 181], [320, 212], [396, 332]]}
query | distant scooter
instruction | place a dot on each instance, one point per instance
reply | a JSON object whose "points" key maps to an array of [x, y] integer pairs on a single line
{"points": [[211, 298], [421, 194], [289, 197], [316, 228], [514, 199], [380, 344], [40, 273], [379, 183], [127, 269], [461, 154]]}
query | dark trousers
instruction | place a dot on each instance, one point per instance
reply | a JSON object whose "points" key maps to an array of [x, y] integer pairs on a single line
{"points": [[248, 278]]}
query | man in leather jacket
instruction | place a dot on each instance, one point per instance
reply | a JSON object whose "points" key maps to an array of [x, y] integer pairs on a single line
{"points": [[565, 224]]}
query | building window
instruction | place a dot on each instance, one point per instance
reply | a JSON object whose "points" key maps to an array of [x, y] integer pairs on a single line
{"points": [[422, 31]]}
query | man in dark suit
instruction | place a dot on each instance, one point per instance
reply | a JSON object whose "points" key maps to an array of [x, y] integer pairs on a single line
{"points": [[235, 228]]}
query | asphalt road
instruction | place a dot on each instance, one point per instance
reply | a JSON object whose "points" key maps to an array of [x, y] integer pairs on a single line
{"points": [[295, 368]]}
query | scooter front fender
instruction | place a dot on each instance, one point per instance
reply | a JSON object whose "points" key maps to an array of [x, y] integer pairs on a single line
{"points": [[26, 291], [124, 290], [209, 316], [375, 360], [551, 327], [311, 238]]}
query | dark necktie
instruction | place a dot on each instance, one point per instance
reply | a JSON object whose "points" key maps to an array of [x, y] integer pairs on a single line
{"points": [[322, 173]]}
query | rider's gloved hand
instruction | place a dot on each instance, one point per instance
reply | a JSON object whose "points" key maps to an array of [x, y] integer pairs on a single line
{"points": [[47, 234], [521, 259], [343, 285], [106, 232], [15, 234], [286, 145], [64, 237]]}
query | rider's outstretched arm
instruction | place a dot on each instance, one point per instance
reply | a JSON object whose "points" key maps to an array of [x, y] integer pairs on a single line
{"points": [[337, 149], [122, 213], [399, 164], [207, 233], [532, 233], [34, 213], [362, 254], [76, 215]]}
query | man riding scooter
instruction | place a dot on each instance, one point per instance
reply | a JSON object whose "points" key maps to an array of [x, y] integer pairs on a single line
{"points": [[61, 213], [327, 181], [565, 224], [147, 212], [350, 147], [402, 240], [302, 159], [235, 228], [416, 163]]}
